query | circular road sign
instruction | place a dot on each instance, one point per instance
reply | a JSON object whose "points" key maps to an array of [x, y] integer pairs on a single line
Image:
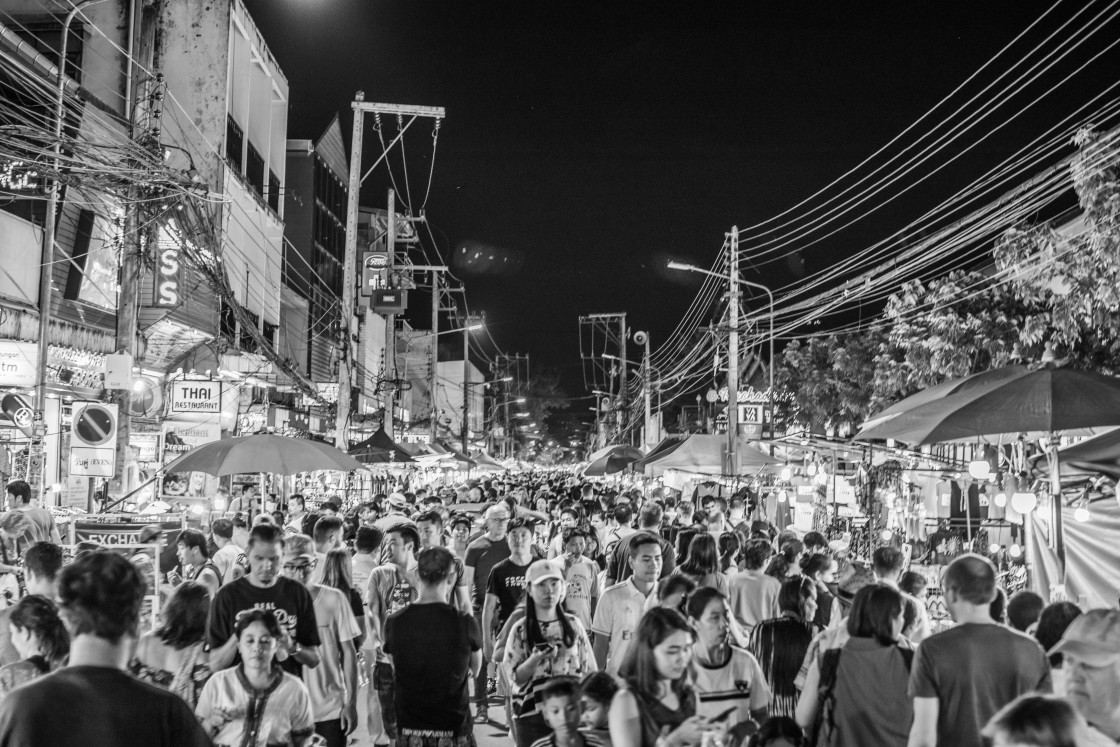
{"points": [[94, 426]]}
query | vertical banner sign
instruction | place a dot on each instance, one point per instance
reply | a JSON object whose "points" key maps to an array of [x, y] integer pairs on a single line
{"points": [[166, 286], [93, 440]]}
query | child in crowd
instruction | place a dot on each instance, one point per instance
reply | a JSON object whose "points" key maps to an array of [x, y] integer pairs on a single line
{"points": [[560, 705], [596, 692]]}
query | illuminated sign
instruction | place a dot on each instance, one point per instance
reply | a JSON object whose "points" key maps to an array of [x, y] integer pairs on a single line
{"points": [[166, 286], [196, 396]]}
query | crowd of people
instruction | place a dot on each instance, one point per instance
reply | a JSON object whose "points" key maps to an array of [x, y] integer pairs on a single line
{"points": [[568, 614]]}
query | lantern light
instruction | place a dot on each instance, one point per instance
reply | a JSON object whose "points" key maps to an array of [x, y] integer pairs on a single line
{"points": [[1081, 514], [993, 548], [1015, 551], [1024, 503], [787, 473], [1000, 499], [980, 469]]}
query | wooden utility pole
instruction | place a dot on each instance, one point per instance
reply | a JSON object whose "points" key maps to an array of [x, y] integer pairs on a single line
{"points": [[391, 323], [349, 267]]}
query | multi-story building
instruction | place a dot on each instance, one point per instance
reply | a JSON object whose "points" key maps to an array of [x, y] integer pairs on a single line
{"points": [[193, 81]]}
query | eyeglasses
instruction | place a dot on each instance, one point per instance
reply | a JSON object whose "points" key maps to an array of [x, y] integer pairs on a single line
{"points": [[297, 567]]}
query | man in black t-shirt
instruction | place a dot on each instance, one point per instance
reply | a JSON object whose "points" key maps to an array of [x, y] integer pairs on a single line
{"points": [[431, 681], [506, 584], [265, 588], [93, 701]]}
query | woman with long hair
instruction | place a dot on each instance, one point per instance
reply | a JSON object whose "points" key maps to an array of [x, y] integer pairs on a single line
{"points": [[545, 643], [780, 643], [702, 564], [788, 560], [821, 568], [337, 575], [40, 639], [725, 675], [657, 701], [255, 702], [865, 681], [672, 593], [729, 547], [174, 655]]}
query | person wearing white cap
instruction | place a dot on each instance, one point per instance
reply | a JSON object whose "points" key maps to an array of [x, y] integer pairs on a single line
{"points": [[546, 643], [398, 512], [1091, 649]]}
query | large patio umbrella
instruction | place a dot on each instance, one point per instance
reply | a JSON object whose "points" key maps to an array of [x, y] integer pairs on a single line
{"points": [[1099, 455], [611, 459], [279, 455], [1009, 403]]}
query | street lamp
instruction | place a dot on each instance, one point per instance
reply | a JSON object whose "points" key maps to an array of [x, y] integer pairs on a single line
{"points": [[734, 281]]}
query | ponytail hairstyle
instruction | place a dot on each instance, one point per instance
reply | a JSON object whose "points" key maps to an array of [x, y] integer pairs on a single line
{"points": [[39, 616], [781, 564], [811, 565], [729, 545]]}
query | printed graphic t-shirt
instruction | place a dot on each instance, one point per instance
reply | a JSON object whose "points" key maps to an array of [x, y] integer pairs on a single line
{"points": [[287, 599], [507, 583]]}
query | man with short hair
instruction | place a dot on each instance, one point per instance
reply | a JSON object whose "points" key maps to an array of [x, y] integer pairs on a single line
{"points": [[888, 563], [265, 588], [41, 564], [1023, 610], [392, 587], [1091, 650], [229, 558], [193, 554], [328, 536], [432, 681], [569, 518], [482, 555], [94, 700], [333, 685], [39, 526], [297, 509], [581, 576], [429, 525], [649, 520], [752, 594], [367, 545], [622, 605], [506, 585], [621, 517], [961, 677]]}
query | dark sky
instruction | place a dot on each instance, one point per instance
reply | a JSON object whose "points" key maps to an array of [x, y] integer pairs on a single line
{"points": [[589, 141]]}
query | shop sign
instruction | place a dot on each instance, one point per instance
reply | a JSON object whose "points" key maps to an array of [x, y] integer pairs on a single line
{"points": [[166, 287], [93, 439], [196, 396], [18, 363], [178, 438]]}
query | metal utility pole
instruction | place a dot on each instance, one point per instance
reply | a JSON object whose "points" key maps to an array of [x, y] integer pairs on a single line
{"points": [[349, 266], [647, 385], [623, 391], [466, 428], [731, 466]]}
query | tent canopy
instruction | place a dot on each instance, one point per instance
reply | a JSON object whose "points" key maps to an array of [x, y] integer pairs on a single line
{"points": [[702, 453], [379, 448], [1097, 455]]}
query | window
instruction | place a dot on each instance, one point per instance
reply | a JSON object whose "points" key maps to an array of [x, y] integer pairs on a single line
{"points": [[235, 143], [254, 170], [274, 192]]}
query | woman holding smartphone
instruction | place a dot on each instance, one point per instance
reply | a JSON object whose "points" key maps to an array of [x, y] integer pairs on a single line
{"points": [[545, 643]]}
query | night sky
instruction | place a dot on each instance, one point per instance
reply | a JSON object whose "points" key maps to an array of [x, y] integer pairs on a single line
{"points": [[588, 142]]}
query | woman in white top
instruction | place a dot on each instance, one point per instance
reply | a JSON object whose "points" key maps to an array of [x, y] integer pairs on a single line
{"points": [[255, 703]]}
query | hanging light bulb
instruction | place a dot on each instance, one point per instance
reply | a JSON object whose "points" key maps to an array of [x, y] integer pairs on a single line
{"points": [[787, 473], [1081, 514], [812, 469], [1015, 551], [1000, 499], [993, 548], [783, 496], [1024, 503], [980, 469], [886, 535]]}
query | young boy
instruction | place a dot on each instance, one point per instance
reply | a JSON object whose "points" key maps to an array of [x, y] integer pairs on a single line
{"points": [[596, 692], [559, 698]]}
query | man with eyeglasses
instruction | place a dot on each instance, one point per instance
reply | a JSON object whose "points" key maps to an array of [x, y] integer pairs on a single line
{"points": [[264, 588], [333, 685], [482, 555]]}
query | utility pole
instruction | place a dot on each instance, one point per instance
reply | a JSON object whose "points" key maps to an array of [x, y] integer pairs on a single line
{"points": [[391, 322], [731, 466], [349, 266], [433, 375], [623, 391]]}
